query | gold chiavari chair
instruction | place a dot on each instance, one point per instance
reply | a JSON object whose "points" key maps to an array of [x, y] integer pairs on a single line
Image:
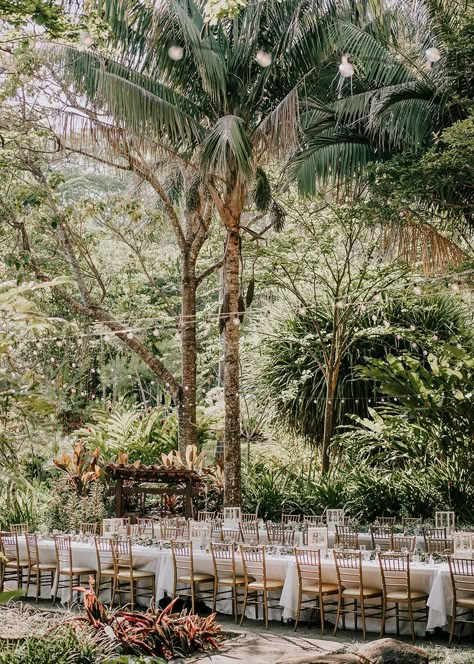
{"points": [[308, 563], [206, 516], [437, 541], [351, 588], [127, 577], [184, 574], [172, 531], [231, 535], [412, 522], [346, 537], [403, 543], [223, 558], [217, 531], [384, 521], [313, 520], [278, 535], [249, 516], [105, 564], [256, 581], [290, 519], [11, 565], [249, 531], [36, 568], [66, 568], [395, 570], [381, 537], [135, 530], [147, 525], [462, 581], [89, 529], [19, 528], [115, 526]]}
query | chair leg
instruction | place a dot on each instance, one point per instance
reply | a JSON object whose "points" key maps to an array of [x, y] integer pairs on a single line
{"points": [[384, 610], [246, 591], [38, 585], [397, 615], [453, 623], [214, 597], [28, 574], [412, 625], [192, 597], [338, 614], [234, 598], [298, 610], [132, 593], [321, 613], [265, 606], [362, 615], [355, 614]]}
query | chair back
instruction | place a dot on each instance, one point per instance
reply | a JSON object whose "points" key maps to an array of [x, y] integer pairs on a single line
{"points": [[249, 516], [290, 519], [206, 516], [63, 548], [348, 568], [116, 526], [308, 564], [135, 530], [122, 554], [105, 556], [223, 558], [90, 529], [385, 520], [9, 546], [19, 528], [401, 542], [346, 537], [231, 535], [313, 520], [381, 537], [395, 570], [437, 541], [462, 577], [217, 531], [249, 531], [171, 530], [147, 525], [183, 560], [253, 560], [279, 535], [412, 521], [32, 549]]}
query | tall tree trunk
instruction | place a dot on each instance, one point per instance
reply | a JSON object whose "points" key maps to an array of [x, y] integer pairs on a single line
{"points": [[331, 385], [186, 405], [232, 451]]}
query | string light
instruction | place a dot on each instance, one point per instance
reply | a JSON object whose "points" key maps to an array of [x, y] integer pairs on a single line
{"points": [[433, 55], [263, 58], [176, 53], [236, 320], [345, 68]]}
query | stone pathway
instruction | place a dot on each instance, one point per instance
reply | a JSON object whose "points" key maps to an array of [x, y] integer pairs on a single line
{"points": [[267, 648]]}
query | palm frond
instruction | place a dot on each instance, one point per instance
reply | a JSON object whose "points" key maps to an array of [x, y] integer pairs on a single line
{"points": [[226, 149]]}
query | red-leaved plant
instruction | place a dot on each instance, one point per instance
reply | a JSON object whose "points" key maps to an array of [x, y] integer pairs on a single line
{"points": [[156, 633]]}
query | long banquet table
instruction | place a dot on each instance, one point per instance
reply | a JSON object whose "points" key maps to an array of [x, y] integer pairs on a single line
{"points": [[431, 579]]}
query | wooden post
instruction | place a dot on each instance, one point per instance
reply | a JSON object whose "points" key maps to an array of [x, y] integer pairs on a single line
{"points": [[118, 498]]}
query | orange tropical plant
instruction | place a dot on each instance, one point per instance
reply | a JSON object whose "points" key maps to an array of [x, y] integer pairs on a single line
{"points": [[81, 468]]}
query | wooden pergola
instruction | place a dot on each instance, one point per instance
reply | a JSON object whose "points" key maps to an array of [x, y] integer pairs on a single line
{"points": [[137, 479]]}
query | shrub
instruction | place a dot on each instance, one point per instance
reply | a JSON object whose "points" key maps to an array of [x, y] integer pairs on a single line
{"points": [[62, 646]]}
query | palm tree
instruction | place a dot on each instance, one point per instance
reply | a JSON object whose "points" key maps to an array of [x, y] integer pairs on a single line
{"points": [[408, 77], [223, 99]]}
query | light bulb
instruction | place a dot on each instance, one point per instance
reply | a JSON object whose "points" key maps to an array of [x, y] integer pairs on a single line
{"points": [[86, 39], [432, 54], [129, 335], [263, 58], [417, 290], [346, 69], [156, 332], [236, 320], [176, 53]]}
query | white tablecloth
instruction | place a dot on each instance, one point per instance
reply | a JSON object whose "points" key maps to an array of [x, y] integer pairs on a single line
{"points": [[433, 580]]}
